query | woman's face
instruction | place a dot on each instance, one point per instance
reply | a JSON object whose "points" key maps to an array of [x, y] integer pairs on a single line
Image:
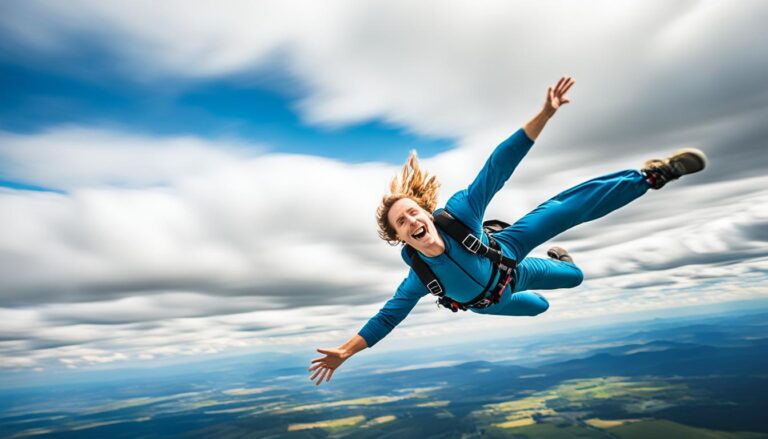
{"points": [[413, 224]]}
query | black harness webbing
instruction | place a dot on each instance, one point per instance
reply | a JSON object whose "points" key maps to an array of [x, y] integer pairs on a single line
{"points": [[461, 233]]}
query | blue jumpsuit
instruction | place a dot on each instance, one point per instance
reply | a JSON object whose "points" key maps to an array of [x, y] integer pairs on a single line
{"points": [[464, 275]]}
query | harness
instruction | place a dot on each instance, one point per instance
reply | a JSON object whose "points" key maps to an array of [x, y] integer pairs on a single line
{"points": [[457, 230]]}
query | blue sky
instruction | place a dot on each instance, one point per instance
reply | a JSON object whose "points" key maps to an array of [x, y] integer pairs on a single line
{"points": [[256, 108], [164, 170]]}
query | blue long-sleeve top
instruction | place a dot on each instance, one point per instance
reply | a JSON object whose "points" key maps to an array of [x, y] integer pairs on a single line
{"points": [[464, 275]]}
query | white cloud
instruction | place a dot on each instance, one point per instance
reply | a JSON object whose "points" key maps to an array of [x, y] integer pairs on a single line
{"points": [[208, 261], [72, 157], [438, 67]]}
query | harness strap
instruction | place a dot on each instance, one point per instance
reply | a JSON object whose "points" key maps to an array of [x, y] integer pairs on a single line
{"points": [[461, 233], [464, 235], [426, 275]]}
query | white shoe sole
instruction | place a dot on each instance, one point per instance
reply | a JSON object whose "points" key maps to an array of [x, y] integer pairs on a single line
{"points": [[695, 151]]}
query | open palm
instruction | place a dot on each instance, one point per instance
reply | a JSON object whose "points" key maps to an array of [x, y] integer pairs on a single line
{"points": [[325, 366], [556, 96]]}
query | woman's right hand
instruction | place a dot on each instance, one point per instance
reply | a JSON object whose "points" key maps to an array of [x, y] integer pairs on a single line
{"points": [[325, 366]]}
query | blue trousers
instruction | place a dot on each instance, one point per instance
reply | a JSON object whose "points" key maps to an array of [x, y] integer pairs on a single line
{"points": [[585, 202]]}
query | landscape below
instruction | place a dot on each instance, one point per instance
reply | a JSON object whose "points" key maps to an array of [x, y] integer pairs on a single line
{"points": [[703, 378]]}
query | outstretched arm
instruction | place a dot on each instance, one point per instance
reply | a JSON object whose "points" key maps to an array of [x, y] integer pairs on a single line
{"points": [[555, 98], [394, 311]]}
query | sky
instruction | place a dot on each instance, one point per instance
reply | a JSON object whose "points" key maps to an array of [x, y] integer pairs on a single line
{"points": [[181, 180]]}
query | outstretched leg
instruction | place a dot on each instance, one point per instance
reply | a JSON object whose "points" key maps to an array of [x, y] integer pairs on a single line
{"points": [[594, 198], [585, 202]]}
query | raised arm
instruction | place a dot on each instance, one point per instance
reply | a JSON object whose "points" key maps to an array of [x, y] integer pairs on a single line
{"points": [[394, 311], [469, 204], [555, 98]]}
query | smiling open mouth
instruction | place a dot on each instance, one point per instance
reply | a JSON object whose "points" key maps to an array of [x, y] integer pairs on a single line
{"points": [[420, 233]]}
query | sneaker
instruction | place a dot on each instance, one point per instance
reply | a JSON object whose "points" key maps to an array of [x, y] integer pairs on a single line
{"points": [[685, 161], [560, 254]]}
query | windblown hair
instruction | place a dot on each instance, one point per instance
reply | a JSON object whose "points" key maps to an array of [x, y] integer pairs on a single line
{"points": [[412, 183]]}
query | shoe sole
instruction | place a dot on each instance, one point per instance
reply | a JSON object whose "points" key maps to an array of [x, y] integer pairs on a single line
{"points": [[553, 254], [699, 154]]}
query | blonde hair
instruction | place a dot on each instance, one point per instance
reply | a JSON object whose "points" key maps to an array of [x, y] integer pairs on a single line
{"points": [[414, 184]]}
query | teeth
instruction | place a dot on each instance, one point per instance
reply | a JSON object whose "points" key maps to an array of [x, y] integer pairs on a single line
{"points": [[417, 231]]}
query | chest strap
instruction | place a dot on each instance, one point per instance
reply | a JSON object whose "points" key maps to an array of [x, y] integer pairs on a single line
{"points": [[460, 232]]}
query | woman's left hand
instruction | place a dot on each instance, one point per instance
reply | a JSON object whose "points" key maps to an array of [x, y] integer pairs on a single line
{"points": [[556, 96]]}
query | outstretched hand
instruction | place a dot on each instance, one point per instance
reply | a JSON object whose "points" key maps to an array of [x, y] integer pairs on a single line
{"points": [[325, 366], [556, 96]]}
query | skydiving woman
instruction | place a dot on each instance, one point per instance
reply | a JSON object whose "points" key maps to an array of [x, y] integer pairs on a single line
{"points": [[452, 257]]}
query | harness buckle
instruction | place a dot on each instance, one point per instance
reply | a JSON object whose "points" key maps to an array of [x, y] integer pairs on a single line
{"points": [[485, 303], [435, 288], [473, 245]]}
